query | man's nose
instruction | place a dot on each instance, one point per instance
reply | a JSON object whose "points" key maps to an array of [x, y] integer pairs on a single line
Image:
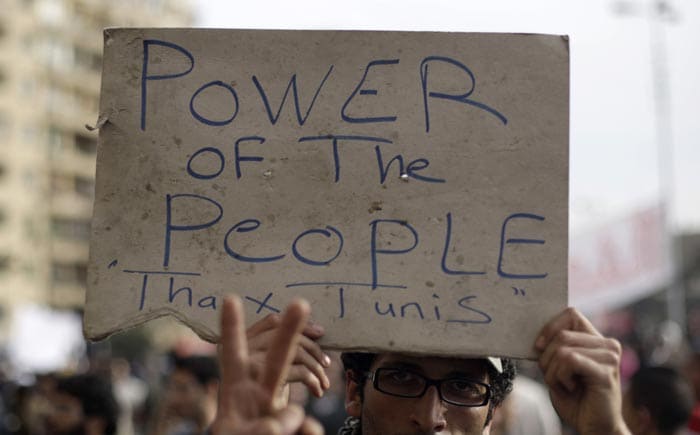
{"points": [[429, 412]]}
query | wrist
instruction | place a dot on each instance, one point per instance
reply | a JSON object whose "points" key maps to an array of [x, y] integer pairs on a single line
{"points": [[619, 429]]}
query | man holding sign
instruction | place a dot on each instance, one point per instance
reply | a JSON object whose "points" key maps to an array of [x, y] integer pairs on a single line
{"points": [[392, 393], [412, 186]]}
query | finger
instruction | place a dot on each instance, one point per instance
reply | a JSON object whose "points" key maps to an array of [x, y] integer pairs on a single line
{"points": [[260, 334], [290, 419], [573, 339], [309, 352], [312, 357], [261, 341], [267, 323], [305, 368], [300, 373], [283, 346], [311, 426], [234, 355], [569, 319], [315, 351], [570, 366], [313, 330]]}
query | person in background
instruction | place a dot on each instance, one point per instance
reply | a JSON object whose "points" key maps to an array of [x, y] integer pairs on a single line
{"points": [[692, 371], [130, 393], [189, 403], [527, 410], [658, 401], [82, 405]]}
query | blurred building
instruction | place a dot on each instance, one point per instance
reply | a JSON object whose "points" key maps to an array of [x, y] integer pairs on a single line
{"points": [[50, 66]]}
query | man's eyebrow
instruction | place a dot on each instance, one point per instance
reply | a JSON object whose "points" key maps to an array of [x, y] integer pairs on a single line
{"points": [[467, 375], [401, 365]]}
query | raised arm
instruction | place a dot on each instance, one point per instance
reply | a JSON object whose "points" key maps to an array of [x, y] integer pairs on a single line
{"points": [[582, 369]]}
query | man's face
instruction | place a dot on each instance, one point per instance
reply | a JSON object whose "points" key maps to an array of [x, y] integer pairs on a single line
{"points": [[65, 414], [383, 414], [184, 393]]}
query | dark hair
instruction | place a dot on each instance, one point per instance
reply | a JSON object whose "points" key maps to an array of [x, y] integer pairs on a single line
{"points": [[359, 363], [204, 368], [95, 396], [665, 394]]}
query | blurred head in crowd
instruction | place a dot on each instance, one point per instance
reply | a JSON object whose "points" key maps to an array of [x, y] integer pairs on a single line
{"points": [[693, 372], [82, 405], [658, 400], [192, 385]]}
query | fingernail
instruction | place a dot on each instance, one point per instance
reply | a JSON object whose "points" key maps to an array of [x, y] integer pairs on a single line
{"points": [[540, 343], [326, 361]]}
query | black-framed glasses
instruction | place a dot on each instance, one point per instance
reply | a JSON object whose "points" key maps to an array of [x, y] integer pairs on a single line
{"points": [[457, 391]]}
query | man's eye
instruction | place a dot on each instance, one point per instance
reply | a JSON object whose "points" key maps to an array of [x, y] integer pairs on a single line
{"points": [[465, 387], [402, 376]]}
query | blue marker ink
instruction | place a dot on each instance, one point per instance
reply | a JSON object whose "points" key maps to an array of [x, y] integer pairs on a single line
{"points": [[437, 310], [238, 157], [326, 233], [207, 302], [213, 122], [389, 310], [460, 98], [143, 292], [464, 303], [416, 305], [341, 296], [161, 272], [413, 167], [263, 304], [501, 272], [144, 71], [363, 92], [336, 139], [374, 250], [170, 227], [342, 283], [219, 155], [293, 85], [443, 262], [245, 226], [174, 294]]}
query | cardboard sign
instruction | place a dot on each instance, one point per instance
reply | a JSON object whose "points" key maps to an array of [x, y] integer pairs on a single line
{"points": [[412, 186]]}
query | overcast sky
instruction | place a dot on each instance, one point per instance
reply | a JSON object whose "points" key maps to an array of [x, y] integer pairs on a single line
{"points": [[614, 153]]}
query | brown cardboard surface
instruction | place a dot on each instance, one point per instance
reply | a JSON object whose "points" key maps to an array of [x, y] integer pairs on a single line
{"points": [[412, 186]]}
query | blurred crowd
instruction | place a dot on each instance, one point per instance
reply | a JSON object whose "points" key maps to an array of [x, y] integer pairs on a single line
{"points": [[175, 393], [171, 394]]}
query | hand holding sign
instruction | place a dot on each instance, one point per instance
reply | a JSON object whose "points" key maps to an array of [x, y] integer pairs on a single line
{"points": [[309, 362], [246, 403]]}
